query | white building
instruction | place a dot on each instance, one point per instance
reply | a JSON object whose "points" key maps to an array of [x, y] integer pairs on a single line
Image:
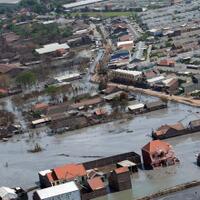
{"points": [[50, 48], [128, 75], [81, 3], [136, 107], [67, 77], [7, 193], [66, 191]]}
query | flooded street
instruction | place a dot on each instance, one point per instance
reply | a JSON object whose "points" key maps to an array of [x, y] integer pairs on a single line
{"points": [[105, 140]]}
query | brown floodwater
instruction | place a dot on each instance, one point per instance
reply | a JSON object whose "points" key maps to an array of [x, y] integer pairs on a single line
{"points": [[105, 140]]}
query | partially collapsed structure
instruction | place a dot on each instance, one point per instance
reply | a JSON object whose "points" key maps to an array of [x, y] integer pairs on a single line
{"points": [[158, 153]]}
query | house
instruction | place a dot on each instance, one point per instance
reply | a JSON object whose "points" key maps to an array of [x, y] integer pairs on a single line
{"points": [[66, 191], [132, 167], [171, 85], [120, 179], [167, 131], [125, 43], [136, 108], [189, 87], [157, 154], [114, 95], [194, 125], [10, 69], [166, 63], [40, 107], [155, 105], [95, 188], [62, 174]]}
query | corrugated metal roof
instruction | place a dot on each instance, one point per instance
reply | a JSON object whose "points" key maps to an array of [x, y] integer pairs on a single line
{"points": [[52, 47], [136, 106], [130, 72], [57, 190]]}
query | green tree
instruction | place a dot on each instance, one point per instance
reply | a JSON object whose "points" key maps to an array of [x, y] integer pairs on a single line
{"points": [[26, 79], [34, 5]]}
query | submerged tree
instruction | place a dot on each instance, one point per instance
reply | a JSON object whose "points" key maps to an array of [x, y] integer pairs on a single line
{"points": [[26, 79]]}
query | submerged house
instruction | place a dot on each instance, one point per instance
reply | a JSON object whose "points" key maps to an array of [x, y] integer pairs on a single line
{"points": [[120, 179], [168, 130], [62, 174], [157, 154], [194, 125]]}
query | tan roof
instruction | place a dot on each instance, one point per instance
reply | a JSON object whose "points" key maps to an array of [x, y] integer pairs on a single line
{"points": [[164, 128], [4, 68]]}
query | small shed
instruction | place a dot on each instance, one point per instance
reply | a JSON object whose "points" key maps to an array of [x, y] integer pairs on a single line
{"points": [[130, 165], [120, 179], [136, 107]]}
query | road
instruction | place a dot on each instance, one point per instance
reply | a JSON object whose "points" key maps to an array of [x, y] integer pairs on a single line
{"points": [[179, 99]]}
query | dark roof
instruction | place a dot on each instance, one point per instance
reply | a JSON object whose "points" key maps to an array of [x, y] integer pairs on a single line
{"points": [[154, 104]]}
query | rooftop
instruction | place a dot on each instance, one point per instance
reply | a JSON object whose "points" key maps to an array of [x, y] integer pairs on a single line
{"points": [[156, 145], [96, 183], [121, 170], [80, 3], [69, 171], [57, 190], [49, 48]]}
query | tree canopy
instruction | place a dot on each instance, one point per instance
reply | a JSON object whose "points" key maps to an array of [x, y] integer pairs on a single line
{"points": [[26, 78]]}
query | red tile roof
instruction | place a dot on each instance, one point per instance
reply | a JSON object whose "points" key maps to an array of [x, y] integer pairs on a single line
{"points": [[96, 183], [156, 145], [40, 106], [166, 62], [3, 91], [125, 38], [69, 171], [121, 170]]}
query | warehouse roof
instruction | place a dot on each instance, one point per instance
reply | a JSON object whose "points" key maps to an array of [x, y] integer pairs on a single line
{"points": [[130, 72], [57, 190], [49, 48]]}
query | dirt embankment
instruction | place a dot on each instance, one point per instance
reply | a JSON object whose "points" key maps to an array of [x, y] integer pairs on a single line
{"points": [[171, 190], [179, 99]]}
